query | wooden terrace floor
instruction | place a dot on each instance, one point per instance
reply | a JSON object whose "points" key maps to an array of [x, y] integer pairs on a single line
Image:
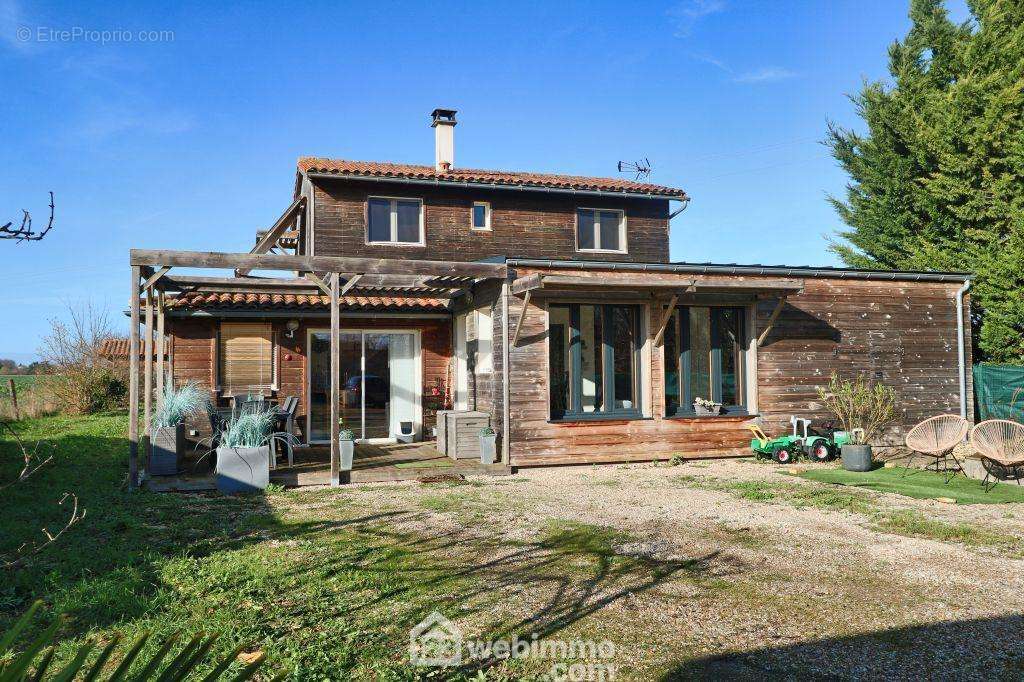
{"points": [[371, 464]]}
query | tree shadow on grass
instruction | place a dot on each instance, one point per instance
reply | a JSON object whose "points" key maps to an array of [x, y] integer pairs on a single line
{"points": [[987, 648]]}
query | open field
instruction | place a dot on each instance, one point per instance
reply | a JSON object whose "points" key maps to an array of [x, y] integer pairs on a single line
{"points": [[727, 569], [33, 397]]}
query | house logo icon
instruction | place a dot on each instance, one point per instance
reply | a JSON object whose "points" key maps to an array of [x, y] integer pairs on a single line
{"points": [[435, 641]]}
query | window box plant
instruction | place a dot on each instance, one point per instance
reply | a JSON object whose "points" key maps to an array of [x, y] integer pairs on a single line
{"points": [[863, 410], [167, 433], [243, 457], [704, 408], [347, 446], [488, 445]]}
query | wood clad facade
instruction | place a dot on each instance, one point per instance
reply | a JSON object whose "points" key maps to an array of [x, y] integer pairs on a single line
{"points": [[901, 333], [523, 224]]}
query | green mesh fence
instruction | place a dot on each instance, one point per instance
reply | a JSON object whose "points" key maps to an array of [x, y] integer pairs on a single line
{"points": [[999, 392]]}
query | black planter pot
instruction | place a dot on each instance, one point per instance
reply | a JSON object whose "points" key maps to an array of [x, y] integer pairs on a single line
{"points": [[165, 446], [856, 457]]}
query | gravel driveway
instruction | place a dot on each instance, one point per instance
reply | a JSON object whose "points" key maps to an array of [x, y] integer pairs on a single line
{"points": [[736, 569]]}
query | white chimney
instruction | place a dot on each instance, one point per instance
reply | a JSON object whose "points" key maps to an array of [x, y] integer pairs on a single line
{"points": [[444, 139]]}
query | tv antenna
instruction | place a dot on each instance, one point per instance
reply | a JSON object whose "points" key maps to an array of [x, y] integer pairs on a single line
{"points": [[641, 169]]}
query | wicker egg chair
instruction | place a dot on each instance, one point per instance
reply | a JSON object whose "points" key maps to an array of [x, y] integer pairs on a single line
{"points": [[936, 438], [1000, 446]]}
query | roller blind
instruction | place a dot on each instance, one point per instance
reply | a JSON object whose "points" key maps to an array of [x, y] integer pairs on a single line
{"points": [[246, 358]]}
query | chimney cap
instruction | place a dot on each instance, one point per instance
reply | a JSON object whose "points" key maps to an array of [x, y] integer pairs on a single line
{"points": [[443, 117]]}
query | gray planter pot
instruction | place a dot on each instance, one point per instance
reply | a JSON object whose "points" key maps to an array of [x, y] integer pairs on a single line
{"points": [[488, 449], [705, 412], [348, 450], [166, 444], [243, 470], [856, 457]]}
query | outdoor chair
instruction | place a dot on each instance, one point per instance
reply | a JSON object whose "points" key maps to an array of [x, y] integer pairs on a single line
{"points": [[936, 438], [1000, 446], [284, 433]]}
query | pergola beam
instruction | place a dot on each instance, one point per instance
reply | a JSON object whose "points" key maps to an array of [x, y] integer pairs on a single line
{"points": [[522, 316], [269, 239], [352, 281], [335, 380], [133, 383], [152, 279], [771, 321], [320, 284], [666, 316], [271, 261]]}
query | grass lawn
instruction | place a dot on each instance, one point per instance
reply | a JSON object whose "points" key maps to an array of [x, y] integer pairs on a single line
{"points": [[919, 484], [327, 586]]}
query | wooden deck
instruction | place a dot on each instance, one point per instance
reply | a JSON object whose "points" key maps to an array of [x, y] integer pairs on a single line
{"points": [[371, 464]]}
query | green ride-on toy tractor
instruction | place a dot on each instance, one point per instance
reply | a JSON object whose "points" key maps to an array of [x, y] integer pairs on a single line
{"points": [[817, 445]]}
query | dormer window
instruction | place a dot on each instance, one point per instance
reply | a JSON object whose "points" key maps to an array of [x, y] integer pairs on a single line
{"points": [[600, 230], [481, 215], [393, 220]]}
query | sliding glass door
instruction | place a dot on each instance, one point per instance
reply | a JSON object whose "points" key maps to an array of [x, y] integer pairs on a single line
{"points": [[380, 388]]}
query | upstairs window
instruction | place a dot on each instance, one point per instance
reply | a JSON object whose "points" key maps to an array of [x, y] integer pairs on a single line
{"points": [[704, 353], [600, 230], [394, 221], [245, 358], [594, 361], [481, 215]]}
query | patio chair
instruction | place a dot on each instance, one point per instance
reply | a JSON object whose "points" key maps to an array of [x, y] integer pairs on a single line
{"points": [[285, 435], [936, 438], [1000, 446]]}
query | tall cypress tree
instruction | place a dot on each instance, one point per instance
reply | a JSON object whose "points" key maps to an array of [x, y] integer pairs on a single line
{"points": [[937, 181]]}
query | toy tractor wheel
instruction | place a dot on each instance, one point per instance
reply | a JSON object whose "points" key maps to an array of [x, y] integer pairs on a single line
{"points": [[783, 455], [821, 452]]}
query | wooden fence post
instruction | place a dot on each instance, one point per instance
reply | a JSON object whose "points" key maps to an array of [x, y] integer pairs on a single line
{"points": [[14, 398]]}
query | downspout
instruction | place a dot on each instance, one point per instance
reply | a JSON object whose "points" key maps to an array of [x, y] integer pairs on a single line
{"points": [[960, 350]]}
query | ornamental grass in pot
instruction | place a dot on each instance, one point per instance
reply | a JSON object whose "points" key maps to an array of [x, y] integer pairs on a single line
{"points": [[863, 409], [243, 457], [167, 434]]}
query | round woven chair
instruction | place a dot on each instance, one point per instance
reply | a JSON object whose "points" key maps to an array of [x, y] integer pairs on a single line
{"points": [[1000, 445], [936, 438]]}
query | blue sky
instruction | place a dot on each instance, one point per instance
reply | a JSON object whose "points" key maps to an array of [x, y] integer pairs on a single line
{"points": [[189, 139]]}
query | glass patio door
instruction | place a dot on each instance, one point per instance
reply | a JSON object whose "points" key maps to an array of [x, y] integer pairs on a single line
{"points": [[379, 386]]}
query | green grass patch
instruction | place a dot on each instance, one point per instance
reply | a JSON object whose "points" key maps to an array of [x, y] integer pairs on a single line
{"points": [[918, 484], [912, 523], [793, 494]]}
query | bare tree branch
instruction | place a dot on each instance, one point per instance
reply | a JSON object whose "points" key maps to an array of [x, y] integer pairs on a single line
{"points": [[24, 232], [31, 460], [27, 550]]}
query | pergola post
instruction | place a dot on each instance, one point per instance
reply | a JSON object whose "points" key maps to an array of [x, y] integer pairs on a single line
{"points": [[147, 396], [335, 373], [133, 383], [161, 343]]}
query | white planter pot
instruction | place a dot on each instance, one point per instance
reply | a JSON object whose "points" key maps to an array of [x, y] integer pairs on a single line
{"points": [[488, 449], [243, 470], [348, 449]]}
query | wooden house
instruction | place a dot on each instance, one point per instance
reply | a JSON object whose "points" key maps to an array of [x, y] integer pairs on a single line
{"points": [[548, 302]]}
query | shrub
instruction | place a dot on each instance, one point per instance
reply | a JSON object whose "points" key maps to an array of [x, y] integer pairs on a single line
{"points": [[860, 404], [250, 429]]}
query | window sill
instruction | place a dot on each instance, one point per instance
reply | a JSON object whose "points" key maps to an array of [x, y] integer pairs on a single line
{"points": [[584, 419], [412, 244], [726, 415], [617, 251]]}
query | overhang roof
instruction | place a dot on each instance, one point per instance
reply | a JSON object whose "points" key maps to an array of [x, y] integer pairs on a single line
{"points": [[494, 178], [263, 300]]}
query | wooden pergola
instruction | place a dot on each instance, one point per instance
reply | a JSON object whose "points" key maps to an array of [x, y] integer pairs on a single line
{"points": [[313, 275]]}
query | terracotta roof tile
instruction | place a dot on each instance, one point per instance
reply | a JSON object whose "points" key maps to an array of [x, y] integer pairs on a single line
{"points": [[270, 300], [489, 177]]}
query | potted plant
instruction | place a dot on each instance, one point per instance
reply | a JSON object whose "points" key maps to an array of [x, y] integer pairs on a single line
{"points": [[706, 407], [167, 433], [488, 445], [863, 410], [347, 445], [243, 456]]}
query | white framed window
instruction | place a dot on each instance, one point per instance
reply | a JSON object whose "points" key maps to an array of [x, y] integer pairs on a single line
{"points": [[394, 220], [481, 215], [600, 229]]}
